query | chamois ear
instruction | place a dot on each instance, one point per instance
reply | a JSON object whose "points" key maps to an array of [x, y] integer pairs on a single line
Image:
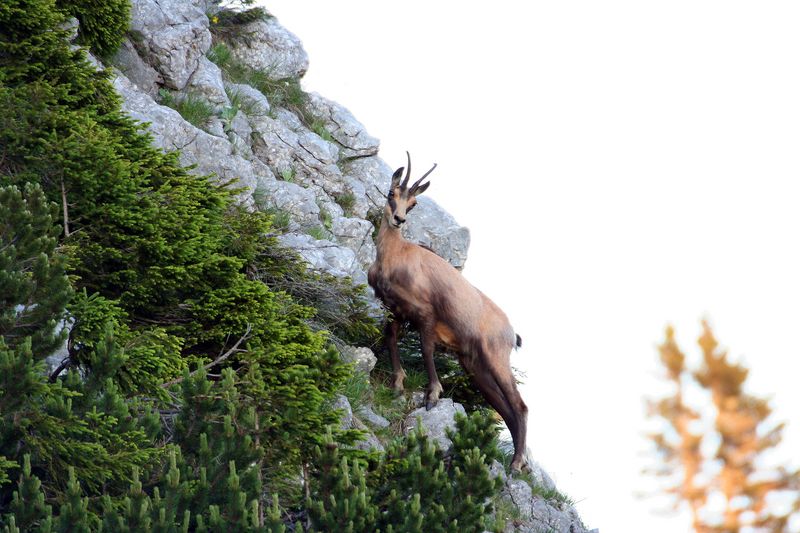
{"points": [[397, 176], [421, 188]]}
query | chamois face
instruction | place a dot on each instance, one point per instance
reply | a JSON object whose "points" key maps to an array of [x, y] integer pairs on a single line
{"points": [[402, 198]]}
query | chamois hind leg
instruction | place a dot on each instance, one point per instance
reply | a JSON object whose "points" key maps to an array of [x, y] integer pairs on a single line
{"points": [[434, 385], [500, 369], [391, 332], [488, 386]]}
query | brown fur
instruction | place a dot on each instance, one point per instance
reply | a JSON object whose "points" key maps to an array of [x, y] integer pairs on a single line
{"points": [[421, 288]]}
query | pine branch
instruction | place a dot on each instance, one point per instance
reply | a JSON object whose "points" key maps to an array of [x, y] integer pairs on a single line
{"points": [[222, 357]]}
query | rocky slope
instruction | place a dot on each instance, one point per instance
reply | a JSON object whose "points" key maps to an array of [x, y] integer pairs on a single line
{"points": [[324, 180]]}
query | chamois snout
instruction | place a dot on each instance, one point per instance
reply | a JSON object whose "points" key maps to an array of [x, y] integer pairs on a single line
{"points": [[397, 207]]}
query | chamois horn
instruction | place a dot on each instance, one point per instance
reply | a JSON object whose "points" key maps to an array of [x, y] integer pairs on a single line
{"points": [[408, 172], [419, 181]]}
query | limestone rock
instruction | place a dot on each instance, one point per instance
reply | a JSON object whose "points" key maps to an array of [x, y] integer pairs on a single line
{"points": [[206, 81], [417, 398], [326, 256], [538, 513], [342, 404], [436, 421], [363, 358], [172, 36], [254, 103], [72, 26], [432, 226], [304, 156], [521, 495], [544, 515], [348, 421], [140, 73], [370, 441], [496, 470], [539, 476], [366, 414], [356, 234], [298, 202], [271, 48], [368, 179], [239, 131], [343, 127]]}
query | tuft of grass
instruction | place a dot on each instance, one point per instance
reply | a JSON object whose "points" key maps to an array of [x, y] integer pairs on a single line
{"points": [[504, 512], [318, 232], [285, 93], [357, 390], [228, 114], [387, 403], [220, 54], [346, 201], [193, 108], [554, 496], [136, 36], [415, 379], [279, 218], [228, 23], [288, 174], [245, 105], [318, 127], [326, 218]]}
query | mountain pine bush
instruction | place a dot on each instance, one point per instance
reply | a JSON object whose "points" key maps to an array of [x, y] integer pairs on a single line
{"points": [[413, 487]]}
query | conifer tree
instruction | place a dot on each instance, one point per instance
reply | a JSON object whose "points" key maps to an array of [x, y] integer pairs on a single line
{"points": [[678, 447], [744, 431], [34, 289], [28, 506]]}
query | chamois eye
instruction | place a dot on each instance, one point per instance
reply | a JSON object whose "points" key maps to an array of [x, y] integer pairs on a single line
{"points": [[409, 208], [390, 195]]}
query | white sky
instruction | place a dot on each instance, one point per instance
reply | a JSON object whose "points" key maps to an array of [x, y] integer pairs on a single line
{"points": [[621, 165]]}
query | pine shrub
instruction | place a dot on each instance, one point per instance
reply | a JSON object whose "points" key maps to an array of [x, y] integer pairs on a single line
{"points": [[413, 487], [103, 23]]}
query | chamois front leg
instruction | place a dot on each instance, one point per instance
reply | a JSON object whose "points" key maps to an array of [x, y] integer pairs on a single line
{"points": [[434, 386], [391, 332]]}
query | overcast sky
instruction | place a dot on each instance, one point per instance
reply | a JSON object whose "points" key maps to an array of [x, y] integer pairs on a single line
{"points": [[621, 166]]}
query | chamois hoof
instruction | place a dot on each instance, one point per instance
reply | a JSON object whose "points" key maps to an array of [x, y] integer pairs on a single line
{"points": [[520, 465], [430, 404]]}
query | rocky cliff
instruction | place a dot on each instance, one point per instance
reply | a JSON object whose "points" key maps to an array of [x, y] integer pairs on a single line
{"points": [[318, 166], [300, 156]]}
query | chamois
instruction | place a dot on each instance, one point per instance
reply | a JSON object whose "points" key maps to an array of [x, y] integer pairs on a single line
{"points": [[421, 288]]}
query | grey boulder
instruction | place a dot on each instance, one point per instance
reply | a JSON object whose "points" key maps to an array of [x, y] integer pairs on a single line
{"points": [[172, 36], [436, 422], [271, 48]]}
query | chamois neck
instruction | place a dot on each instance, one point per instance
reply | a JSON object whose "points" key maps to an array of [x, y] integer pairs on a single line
{"points": [[388, 235]]}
